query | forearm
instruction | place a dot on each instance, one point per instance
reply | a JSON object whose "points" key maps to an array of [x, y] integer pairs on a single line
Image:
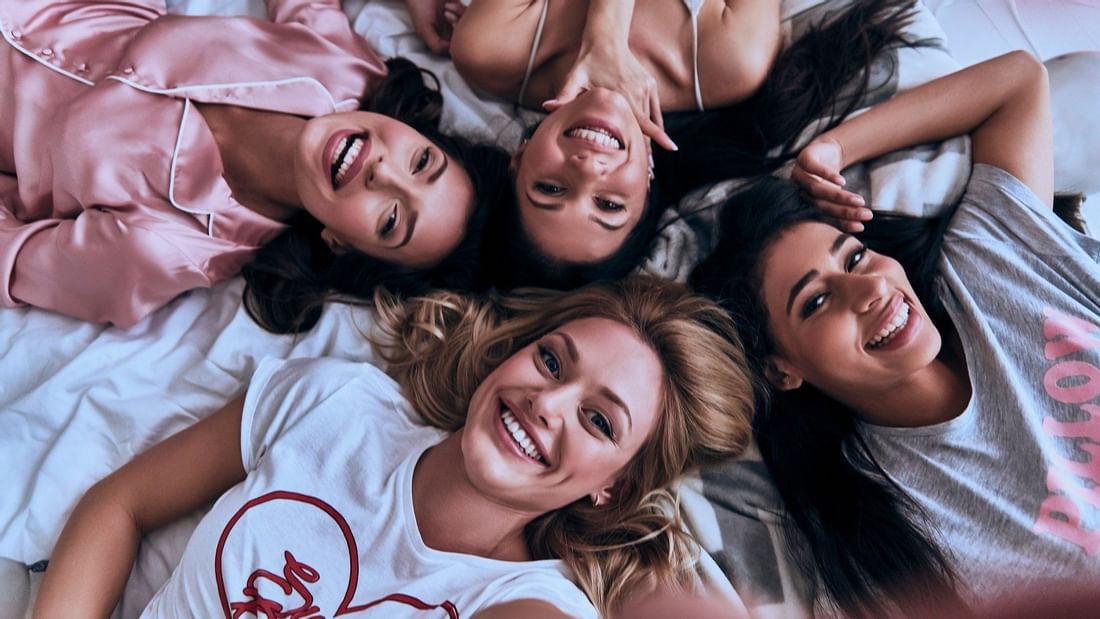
{"points": [[607, 21], [951, 105], [92, 560]]}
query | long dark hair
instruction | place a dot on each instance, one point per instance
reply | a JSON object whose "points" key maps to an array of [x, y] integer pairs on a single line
{"points": [[291, 278], [871, 544], [816, 77]]}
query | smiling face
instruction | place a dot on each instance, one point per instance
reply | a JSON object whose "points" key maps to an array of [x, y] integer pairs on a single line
{"points": [[561, 418], [383, 188], [582, 178], [844, 318]]}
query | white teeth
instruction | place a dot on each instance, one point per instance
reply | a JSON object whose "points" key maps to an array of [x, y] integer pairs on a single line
{"points": [[520, 437], [342, 164], [596, 135], [887, 333]]}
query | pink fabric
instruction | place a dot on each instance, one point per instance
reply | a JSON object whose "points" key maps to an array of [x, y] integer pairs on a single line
{"points": [[111, 195]]}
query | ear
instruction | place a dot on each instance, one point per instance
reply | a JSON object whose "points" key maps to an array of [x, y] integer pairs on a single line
{"points": [[517, 157], [781, 373], [605, 495], [334, 243]]}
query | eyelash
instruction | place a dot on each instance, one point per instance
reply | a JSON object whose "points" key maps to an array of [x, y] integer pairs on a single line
{"points": [[549, 189], [855, 259], [609, 205], [595, 418], [390, 225], [425, 159]]}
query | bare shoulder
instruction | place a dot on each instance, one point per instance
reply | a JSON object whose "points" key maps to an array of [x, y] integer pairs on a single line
{"points": [[738, 43], [492, 41]]}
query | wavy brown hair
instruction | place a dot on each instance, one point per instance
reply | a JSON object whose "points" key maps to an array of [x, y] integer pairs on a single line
{"points": [[441, 346]]}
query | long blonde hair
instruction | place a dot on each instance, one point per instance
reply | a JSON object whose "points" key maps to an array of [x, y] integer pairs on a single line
{"points": [[444, 344]]}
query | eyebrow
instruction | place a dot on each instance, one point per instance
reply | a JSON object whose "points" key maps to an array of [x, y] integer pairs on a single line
{"points": [[557, 206], [796, 289], [571, 348], [442, 168]]}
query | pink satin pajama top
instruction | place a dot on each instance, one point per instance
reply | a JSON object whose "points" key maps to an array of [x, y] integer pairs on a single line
{"points": [[112, 200]]}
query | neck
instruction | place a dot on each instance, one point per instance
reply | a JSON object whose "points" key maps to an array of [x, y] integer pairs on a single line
{"points": [[453, 516], [938, 393], [257, 149]]}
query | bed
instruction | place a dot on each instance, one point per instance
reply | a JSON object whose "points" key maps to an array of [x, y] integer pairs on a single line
{"points": [[77, 400]]}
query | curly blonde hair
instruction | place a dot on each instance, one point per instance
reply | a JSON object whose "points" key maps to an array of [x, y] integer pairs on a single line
{"points": [[441, 346]]}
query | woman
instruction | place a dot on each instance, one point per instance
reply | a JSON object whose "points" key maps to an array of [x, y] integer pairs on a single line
{"points": [[931, 429], [555, 422], [131, 172], [588, 201]]}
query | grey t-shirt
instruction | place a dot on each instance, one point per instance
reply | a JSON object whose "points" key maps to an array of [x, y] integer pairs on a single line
{"points": [[1013, 484]]}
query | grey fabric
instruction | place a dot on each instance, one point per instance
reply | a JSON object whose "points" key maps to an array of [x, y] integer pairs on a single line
{"points": [[1013, 484]]}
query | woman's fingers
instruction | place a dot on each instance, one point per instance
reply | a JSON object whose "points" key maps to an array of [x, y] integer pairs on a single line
{"points": [[820, 188], [653, 125], [845, 213]]}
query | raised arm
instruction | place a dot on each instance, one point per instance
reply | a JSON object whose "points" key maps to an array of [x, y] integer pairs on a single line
{"points": [[1004, 103], [96, 551], [605, 60]]}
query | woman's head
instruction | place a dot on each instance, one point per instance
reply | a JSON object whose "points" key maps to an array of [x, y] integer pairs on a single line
{"points": [[832, 313], [442, 189], [563, 368], [812, 307], [582, 178], [380, 187]]}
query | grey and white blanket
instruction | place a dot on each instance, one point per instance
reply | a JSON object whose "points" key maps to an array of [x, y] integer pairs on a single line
{"points": [[920, 181]]}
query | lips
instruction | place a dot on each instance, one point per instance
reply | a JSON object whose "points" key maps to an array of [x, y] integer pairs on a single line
{"points": [[597, 134], [899, 323], [519, 434], [344, 155]]}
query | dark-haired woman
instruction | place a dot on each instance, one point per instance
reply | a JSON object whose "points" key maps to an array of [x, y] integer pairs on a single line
{"points": [[588, 201], [144, 154], [933, 429]]}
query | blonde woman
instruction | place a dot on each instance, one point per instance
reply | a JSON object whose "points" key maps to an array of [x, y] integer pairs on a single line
{"points": [[555, 422]]}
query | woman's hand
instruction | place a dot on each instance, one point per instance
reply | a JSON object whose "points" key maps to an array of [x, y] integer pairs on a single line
{"points": [[817, 170], [614, 67], [434, 21]]}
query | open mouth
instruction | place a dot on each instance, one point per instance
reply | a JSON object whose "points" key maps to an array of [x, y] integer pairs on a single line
{"points": [[597, 135], [349, 152], [891, 330], [519, 435]]}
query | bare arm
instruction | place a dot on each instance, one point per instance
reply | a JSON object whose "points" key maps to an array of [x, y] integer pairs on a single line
{"points": [[96, 551], [1004, 103], [605, 61], [745, 49]]}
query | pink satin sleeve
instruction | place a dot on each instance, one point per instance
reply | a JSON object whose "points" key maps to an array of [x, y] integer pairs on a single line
{"points": [[98, 267]]}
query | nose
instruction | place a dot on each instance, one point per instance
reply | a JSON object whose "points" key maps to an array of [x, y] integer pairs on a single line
{"points": [[381, 173], [868, 291], [549, 406], [589, 163]]}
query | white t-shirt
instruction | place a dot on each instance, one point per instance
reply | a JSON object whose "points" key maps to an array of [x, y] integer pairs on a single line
{"points": [[323, 524]]}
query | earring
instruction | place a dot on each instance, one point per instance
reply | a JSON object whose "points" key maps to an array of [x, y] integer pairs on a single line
{"points": [[595, 500]]}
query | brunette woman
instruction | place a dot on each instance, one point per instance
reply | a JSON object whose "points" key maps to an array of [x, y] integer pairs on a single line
{"points": [[931, 427]]}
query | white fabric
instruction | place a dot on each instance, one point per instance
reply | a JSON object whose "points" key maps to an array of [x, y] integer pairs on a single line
{"points": [[329, 447]]}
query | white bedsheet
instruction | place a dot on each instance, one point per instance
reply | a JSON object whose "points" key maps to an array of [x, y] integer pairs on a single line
{"points": [[78, 400]]}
